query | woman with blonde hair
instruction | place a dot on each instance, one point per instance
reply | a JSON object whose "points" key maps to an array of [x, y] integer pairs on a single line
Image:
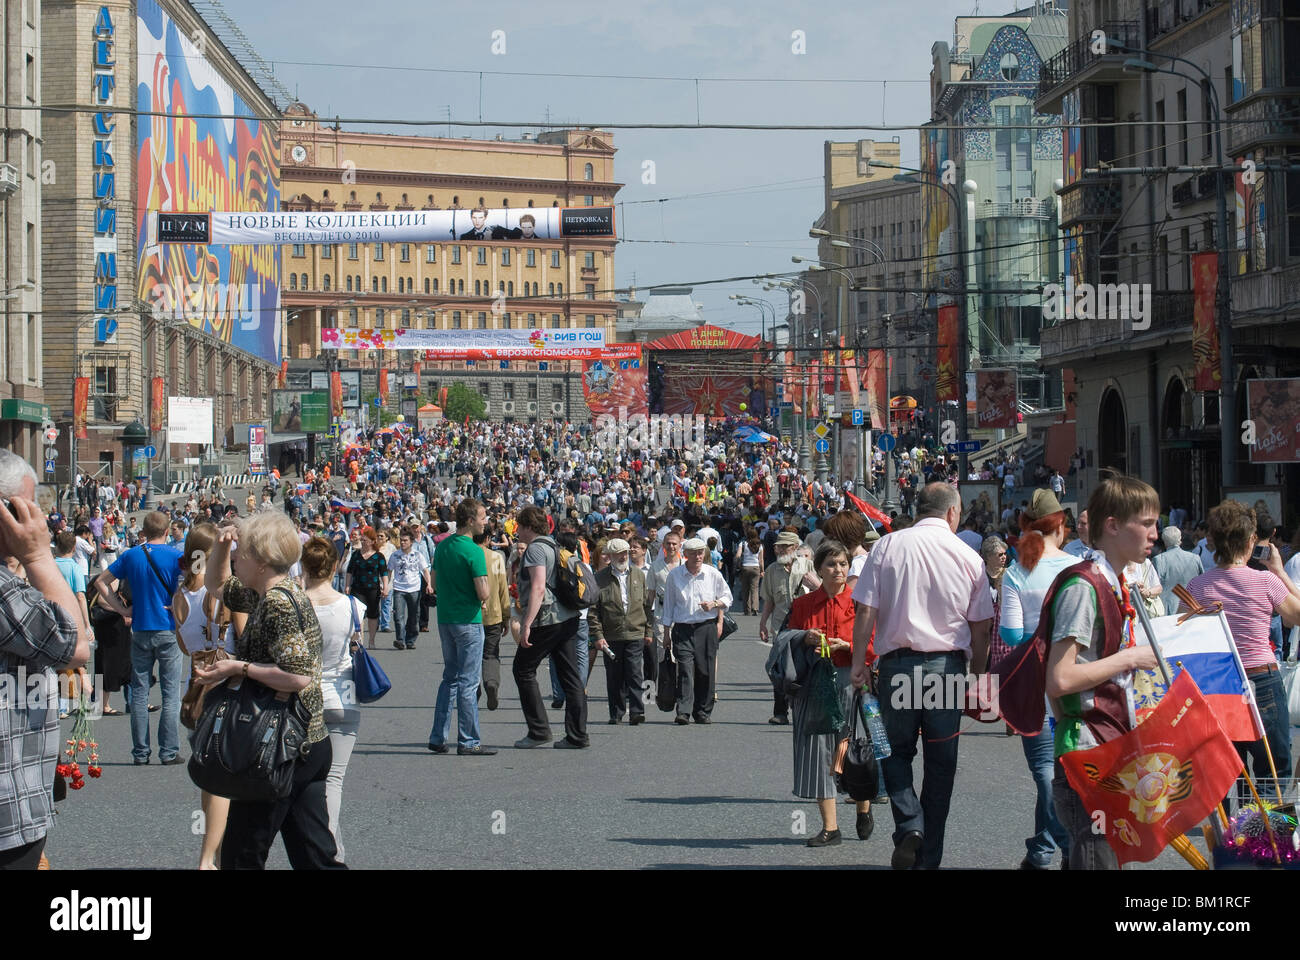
{"points": [[280, 648]]}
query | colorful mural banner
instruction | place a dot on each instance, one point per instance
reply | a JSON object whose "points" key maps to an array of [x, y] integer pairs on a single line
{"points": [[945, 377], [617, 383], [583, 343], [234, 227], [1273, 407], [1252, 217], [850, 381], [186, 162], [336, 393], [80, 400], [1206, 372], [877, 389], [157, 394], [995, 399]]}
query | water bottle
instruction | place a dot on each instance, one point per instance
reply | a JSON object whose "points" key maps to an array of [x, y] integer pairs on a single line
{"points": [[875, 724]]}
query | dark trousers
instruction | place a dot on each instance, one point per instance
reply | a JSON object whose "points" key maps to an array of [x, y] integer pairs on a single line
{"points": [[623, 678], [26, 857], [426, 604], [300, 818], [492, 656], [1089, 850], [695, 646], [560, 642], [780, 706], [650, 662], [901, 707]]}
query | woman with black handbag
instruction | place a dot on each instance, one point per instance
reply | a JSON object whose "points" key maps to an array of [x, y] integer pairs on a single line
{"points": [[280, 648], [823, 619]]}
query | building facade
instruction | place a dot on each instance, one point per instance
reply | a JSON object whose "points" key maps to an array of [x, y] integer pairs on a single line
{"points": [[448, 285], [23, 409], [127, 321]]}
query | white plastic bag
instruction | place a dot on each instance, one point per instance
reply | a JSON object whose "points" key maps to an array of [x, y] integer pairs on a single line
{"points": [[1291, 678]]}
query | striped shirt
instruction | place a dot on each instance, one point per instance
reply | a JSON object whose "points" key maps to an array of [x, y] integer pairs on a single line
{"points": [[35, 636]]}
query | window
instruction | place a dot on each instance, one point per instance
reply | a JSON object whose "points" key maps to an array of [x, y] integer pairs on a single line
{"points": [[33, 350], [461, 285], [550, 289], [430, 253], [589, 291], [482, 320], [352, 251], [300, 249], [588, 172], [532, 391], [1162, 157], [455, 254], [405, 252], [555, 259], [1182, 126], [509, 390], [406, 317], [359, 287], [510, 289], [325, 282], [426, 284], [374, 284], [559, 289], [531, 258], [591, 321], [293, 281], [379, 317], [555, 320], [383, 284], [455, 319], [352, 316], [588, 201], [483, 389], [557, 392], [589, 260], [106, 393], [303, 282], [505, 256], [477, 288], [30, 79], [1207, 119], [480, 255], [401, 284], [505, 321], [532, 321], [379, 251], [327, 251]]}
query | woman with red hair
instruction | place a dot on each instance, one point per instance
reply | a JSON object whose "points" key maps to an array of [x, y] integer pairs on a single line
{"points": [[368, 579], [1024, 587]]}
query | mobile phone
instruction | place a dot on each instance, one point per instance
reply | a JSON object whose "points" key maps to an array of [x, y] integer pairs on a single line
{"points": [[1261, 552], [10, 507]]}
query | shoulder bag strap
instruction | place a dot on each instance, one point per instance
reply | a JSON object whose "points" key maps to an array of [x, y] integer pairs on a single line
{"points": [[302, 624], [157, 573]]}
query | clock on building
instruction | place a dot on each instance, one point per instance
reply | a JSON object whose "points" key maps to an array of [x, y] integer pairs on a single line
{"points": [[299, 153]]}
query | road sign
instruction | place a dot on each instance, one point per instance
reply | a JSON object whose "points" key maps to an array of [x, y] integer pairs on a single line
{"points": [[378, 401], [775, 412], [823, 446], [966, 446], [51, 434], [51, 453], [49, 466], [857, 418], [334, 431], [886, 442], [150, 452], [821, 430]]}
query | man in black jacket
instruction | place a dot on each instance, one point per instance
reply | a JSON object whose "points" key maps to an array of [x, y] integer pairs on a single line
{"points": [[622, 625]]}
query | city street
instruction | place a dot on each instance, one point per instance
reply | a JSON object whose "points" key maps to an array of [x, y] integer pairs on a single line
{"points": [[652, 796]]}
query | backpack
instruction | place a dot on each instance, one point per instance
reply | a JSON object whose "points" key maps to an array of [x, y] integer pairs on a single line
{"points": [[575, 584], [1022, 673]]}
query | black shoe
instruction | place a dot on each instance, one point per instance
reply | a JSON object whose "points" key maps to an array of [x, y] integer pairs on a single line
{"points": [[615, 721], [827, 838], [398, 645], [172, 761], [866, 824], [154, 708], [479, 751], [492, 699], [633, 721], [410, 646], [703, 719], [1027, 864], [527, 743], [682, 720], [778, 719], [567, 744], [557, 704], [439, 747], [142, 763], [905, 851]]}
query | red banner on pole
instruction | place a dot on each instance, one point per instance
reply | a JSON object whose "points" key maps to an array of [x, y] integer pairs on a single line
{"points": [[156, 405], [1206, 372], [383, 383], [336, 393], [877, 389], [284, 374], [80, 398], [945, 379]]}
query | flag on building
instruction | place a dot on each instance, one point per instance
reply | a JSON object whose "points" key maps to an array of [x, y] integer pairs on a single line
{"points": [[1160, 779]]}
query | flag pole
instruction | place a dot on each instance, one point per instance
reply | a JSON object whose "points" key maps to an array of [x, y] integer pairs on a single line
{"points": [[1263, 811]]}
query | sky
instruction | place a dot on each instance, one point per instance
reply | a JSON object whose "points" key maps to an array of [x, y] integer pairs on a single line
{"points": [[734, 202]]}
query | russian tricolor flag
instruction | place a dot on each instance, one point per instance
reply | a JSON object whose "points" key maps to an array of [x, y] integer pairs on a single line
{"points": [[346, 506], [1203, 646]]}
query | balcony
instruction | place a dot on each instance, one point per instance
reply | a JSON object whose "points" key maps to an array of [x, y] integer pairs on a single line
{"points": [[1067, 340], [1263, 293], [1268, 117], [1078, 63], [1031, 208], [589, 273], [1092, 200], [1168, 15]]}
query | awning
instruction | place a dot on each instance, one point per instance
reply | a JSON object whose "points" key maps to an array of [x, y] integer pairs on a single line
{"points": [[278, 438]]}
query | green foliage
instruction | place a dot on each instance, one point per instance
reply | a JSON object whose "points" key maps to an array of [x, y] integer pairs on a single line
{"points": [[463, 402]]}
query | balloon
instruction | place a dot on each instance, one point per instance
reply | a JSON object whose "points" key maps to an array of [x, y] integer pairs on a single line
{"points": [[401, 418], [744, 407]]}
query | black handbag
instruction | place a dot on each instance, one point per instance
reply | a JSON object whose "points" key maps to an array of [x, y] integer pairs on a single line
{"points": [[729, 626], [666, 689], [248, 739], [857, 772]]}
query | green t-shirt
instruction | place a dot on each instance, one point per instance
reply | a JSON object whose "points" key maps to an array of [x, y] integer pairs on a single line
{"points": [[457, 560], [1076, 619]]}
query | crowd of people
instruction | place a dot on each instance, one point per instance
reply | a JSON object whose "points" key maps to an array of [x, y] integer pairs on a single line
{"points": [[576, 550]]}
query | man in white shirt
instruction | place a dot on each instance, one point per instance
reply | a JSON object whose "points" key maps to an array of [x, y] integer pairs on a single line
{"points": [[410, 571], [1079, 547], [696, 598], [926, 596]]}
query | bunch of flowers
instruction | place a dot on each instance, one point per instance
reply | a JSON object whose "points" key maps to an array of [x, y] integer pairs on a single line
{"points": [[82, 739]]}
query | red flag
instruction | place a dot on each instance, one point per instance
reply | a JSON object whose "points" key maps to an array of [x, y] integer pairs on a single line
{"points": [[872, 512], [383, 383], [284, 374], [336, 393], [877, 389], [80, 400], [157, 391], [1161, 778], [945, 378], [1206, 372]]}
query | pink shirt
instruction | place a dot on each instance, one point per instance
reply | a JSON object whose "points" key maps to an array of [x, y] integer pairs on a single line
{"points": [[929, 587], [1249, 598]]}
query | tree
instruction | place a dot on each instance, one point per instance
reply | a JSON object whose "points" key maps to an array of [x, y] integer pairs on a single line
{"points": [[386, 415], [463, 402]]}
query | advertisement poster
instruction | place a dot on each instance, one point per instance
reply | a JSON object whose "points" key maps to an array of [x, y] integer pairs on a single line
{"points": [[189, 160], [946, 375], [257, 451], [158, 392], [995, 399], [473, 344], [1274, 409], [296, 412], [351, 381], [189, 420], [1207, 373], [617, 382]]}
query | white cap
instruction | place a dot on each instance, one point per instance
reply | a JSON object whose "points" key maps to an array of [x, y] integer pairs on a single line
{"points": [[678, 522], [695, 543], [616, 546]]}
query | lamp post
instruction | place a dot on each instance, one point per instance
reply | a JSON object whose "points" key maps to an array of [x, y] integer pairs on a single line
{"points": [[797, 335], [1223, 289]]}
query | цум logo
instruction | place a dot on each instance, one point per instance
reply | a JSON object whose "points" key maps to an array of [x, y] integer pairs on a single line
{"points": [[74, 913]]}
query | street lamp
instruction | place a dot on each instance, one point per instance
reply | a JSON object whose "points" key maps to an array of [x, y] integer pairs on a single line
{"points": [[1223, 290]]}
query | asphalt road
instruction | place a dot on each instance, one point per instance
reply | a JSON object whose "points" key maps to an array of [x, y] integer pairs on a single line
{"points": [[652, 796]]}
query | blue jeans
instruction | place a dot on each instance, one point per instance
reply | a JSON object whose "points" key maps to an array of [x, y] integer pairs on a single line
{"points": [[1048, 831], [938, 729], [584, 637], [386, 612], [147, 647], [1270, 695], [462, 655], [407, 615]]}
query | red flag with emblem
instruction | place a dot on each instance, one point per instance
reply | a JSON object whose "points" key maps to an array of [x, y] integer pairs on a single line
{"points": [[872, 512], [1160, 779]]}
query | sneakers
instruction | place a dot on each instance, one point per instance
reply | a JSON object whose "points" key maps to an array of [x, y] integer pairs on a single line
{"points": [[479, 751], [398, 645], [567, 744], [905, 851], [172, 761], [527, 743], [438, 747], [827, 838]]}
